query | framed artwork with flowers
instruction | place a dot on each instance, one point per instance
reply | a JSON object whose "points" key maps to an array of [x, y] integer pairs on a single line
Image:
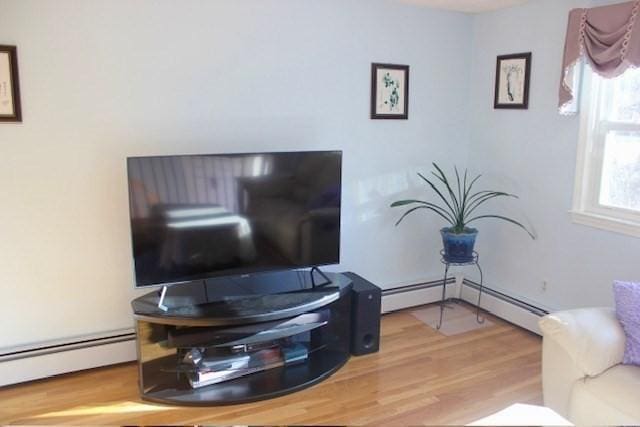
{"points": [[389, 91], [513, 73]]}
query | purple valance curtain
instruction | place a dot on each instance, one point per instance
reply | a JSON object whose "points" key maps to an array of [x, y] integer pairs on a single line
{"points": [[607, 38]]}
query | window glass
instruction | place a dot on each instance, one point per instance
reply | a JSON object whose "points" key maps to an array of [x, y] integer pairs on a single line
{"points": [[607, 193], [624, 97], [620, 181]]}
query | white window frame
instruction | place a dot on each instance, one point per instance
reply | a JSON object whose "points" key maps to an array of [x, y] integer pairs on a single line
{"points": [[586, 209]]}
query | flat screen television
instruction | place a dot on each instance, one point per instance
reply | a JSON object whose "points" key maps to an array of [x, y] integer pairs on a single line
{"points": [[200, 216]]}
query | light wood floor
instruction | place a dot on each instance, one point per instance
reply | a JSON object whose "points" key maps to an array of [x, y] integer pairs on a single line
{"points": [[418, 377]]}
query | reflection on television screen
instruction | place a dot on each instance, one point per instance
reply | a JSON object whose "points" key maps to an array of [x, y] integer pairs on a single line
{"points": [[194, 217]]}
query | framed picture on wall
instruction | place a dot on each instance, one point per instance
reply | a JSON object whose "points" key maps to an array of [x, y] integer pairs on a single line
{"points": [[9, 86], [512, 81], [389, 91]]}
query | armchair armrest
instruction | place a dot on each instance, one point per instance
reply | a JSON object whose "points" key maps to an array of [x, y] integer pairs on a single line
{"points": [[592, 337], [576, 344]]}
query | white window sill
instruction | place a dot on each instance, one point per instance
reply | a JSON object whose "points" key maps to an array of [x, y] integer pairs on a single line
{"points": [[630, 228]]}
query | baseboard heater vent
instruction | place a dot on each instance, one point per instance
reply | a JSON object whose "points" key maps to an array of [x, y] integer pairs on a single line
{"points": [[43, 360], [25, 363], [412, 295], [57, 347], [506, 298], [506, 307], [416, 286]]}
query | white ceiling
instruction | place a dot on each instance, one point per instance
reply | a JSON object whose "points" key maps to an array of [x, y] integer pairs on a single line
{"points": [[469, 6]]}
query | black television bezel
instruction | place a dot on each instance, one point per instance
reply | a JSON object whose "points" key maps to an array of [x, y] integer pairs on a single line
{"points": [[245, 272]]}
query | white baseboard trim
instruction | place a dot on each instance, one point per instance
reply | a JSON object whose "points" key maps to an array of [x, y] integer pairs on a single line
{"points": [[415, 295], [30, 364], [47, 359], [499, 304], [504, 307]]}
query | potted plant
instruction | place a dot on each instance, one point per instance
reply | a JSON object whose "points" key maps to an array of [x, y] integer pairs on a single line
{"points": [[457, 208]]}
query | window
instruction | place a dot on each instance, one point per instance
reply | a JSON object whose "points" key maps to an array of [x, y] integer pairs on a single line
{"points": [[607, 193]]}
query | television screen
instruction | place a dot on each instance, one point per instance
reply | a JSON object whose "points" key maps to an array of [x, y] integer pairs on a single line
{"points": [[194, 217]]}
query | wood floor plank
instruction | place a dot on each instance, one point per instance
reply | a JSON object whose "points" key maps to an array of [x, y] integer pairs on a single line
{"points": [[419, 377]]}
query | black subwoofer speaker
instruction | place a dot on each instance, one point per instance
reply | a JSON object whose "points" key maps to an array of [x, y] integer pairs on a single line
{"points": [[365, 315]]}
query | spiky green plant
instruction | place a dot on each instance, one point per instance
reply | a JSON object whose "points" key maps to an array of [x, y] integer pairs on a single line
{"points": [[459, 207]]}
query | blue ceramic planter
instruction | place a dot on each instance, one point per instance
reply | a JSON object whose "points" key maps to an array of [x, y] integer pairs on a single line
{"points": [[458, 247]]}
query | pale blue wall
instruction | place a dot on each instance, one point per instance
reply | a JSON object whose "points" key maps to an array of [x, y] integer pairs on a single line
{"points": [[533, 153], [106, 79]]}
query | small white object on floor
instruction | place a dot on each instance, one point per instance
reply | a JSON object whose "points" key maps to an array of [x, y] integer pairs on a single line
{"points": [[520, 414], [457, 318]]}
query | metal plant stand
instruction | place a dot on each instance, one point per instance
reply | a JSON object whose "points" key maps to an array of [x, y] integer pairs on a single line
{"points": [[447, 264]]}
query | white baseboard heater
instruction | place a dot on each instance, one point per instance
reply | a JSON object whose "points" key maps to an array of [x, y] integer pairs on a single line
{"points": [[499, 304], [43, 360], [26, 363], [416, 294]]}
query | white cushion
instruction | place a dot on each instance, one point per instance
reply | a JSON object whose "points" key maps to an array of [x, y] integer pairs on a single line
{"points": [[592, 337], [612, 398], [559, 374]]}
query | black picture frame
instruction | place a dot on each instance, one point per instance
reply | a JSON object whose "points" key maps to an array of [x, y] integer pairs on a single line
{"points": [[390, 81], [513, 76], [10, 109]]}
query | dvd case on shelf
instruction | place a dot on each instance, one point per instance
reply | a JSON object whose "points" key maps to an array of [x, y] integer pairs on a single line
{"points": [[213, 370]]}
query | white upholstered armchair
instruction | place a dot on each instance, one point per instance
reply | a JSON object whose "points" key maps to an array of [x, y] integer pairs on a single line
{"points": [[582, 375]]}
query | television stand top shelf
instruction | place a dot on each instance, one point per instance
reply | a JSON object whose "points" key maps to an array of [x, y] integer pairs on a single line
{"points": [[241, 300]]}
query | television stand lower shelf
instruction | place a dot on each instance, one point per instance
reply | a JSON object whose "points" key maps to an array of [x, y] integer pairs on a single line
{"points": [[246, 345]]}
